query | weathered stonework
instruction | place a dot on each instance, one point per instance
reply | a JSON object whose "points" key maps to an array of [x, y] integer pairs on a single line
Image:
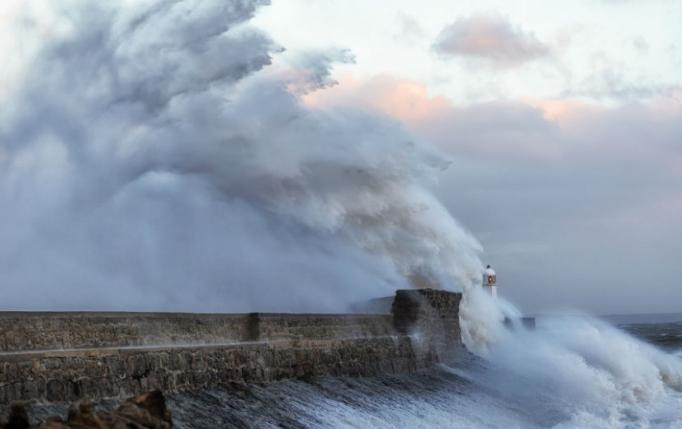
{"points": [[430, 317], [58, 357]]}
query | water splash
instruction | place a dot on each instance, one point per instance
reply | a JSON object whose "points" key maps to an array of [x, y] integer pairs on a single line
{"points": [[595, 373], [148, 161]]}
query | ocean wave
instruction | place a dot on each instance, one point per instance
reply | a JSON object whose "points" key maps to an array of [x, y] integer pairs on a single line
{"points": [[596, 374]]}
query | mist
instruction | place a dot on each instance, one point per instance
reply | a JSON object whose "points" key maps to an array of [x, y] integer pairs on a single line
{"points": [[148, 161]]}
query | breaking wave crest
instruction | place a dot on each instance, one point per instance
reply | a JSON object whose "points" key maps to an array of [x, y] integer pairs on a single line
{"points": [[158, 162], [596, 374]]}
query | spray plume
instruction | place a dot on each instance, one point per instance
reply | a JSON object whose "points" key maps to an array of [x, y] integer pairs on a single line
{"points": [[147, 161]]}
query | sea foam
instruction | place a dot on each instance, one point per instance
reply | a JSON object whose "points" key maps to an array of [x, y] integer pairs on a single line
{"points": [[596, 374]]}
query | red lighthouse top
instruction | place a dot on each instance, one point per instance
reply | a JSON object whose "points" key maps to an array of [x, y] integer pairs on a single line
{"points": [[489, 277]]}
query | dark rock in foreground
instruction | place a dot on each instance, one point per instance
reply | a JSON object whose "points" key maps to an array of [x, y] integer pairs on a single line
{"points": [[139, 412]]}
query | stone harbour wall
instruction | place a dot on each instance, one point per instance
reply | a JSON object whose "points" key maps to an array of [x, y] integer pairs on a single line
{"points": [[56, 357], [21, 331]]}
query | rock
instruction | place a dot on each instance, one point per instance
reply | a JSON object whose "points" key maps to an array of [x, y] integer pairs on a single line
{"points": [[147, 411], [53, 423], [18, 418], [82, 415], [143, 411], [155, 403]]}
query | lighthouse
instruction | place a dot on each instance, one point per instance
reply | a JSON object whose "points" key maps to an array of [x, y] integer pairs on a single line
{"points": [[489, 281]]}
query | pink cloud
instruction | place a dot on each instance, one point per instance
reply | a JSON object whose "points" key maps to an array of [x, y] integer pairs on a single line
{"points": [[406, 100], [437, 119], [490, 38], [565, 113], [520, 128]]}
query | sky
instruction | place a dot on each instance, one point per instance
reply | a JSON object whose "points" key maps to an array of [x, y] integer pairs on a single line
{"points": [[302, 155], [563, 124]]}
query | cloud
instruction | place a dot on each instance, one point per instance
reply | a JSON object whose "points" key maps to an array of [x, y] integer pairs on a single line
{"points": [[409, 29], [640, 44], [610, 82], [491, 39], [575, 202], [405, 99]]}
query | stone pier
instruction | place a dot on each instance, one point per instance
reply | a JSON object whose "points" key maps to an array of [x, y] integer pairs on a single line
{"points": [[56, 357]]}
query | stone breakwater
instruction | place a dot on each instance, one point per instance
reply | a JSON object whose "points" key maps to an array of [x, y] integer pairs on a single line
{"points": [[57, 357]]}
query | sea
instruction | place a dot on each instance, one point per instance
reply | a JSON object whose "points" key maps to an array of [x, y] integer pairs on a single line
{"points": [[662, 330], [569, 372]]}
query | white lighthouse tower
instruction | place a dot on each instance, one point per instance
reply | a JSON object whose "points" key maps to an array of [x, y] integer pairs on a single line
{"points": [[489, 281]]}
